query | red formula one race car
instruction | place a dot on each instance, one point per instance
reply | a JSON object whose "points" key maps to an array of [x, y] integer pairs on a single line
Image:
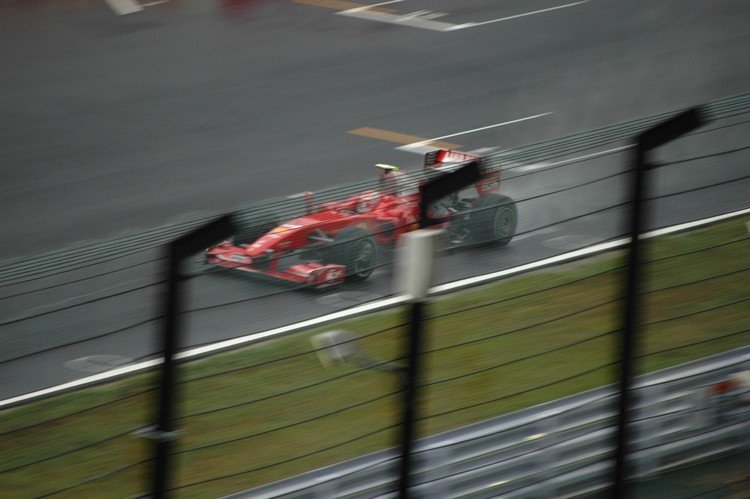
{"points": [[341, 240]]}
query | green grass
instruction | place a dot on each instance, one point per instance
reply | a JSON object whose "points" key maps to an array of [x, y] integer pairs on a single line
{"points": [[491, 350]]}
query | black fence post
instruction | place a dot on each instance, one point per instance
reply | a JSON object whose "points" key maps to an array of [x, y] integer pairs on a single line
{"points": [[164, 433], [411, 388], [430, 192], [645, 142]]}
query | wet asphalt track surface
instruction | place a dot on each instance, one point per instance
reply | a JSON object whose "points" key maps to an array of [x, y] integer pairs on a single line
{"points": [[115, 124]]}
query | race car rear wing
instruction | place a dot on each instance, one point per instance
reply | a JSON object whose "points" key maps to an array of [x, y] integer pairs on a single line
{"points": [[436, 158], [448, 160]]}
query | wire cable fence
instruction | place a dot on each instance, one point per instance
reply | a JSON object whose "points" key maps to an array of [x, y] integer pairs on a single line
{"points": [[544, 352], [82, 279], [492, 350], [594, 374]]}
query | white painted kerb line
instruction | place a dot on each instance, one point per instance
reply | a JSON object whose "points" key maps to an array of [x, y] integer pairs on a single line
{"points": [[368, 307], [421, 144], [80, 383]]}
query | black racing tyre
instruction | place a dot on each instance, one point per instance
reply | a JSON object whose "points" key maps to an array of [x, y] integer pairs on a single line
{"points": [[355, 248], [494, 219], [250, 225]]}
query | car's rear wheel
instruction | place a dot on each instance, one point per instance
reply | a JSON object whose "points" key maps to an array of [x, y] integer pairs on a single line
{"points": [[250, 225], [494, 219], [355, 248]]}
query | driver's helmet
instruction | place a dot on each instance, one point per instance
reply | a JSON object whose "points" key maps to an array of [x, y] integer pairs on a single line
{"points": [[391, 178], [367, 201]]}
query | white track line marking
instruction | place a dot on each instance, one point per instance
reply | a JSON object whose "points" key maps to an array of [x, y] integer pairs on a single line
{"points": [[482, 23], [530, 167], [526, 167], [483, 151], [592, 155], [539, 166], [421, 19], [367, 7], [421, 144], [123, 7], [536, 233], [354, 311], [572, 255]]}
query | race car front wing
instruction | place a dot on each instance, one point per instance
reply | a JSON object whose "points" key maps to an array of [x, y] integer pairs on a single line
{"points": [[311, 273]]}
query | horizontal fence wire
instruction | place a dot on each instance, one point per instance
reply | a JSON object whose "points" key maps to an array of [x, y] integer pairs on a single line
{"points": [[521, 359], [525, 328], [84, 340], [696, 281], [246, 403], [78, 412], [698, 250], [714, 491], [96, 478], [67, 452], [62, 269], [288, 357], [700, 188], [696, 312], [526, 295], [285, 461], [82, 303], [520, 392], [318, 417], [82, 279], [695, 343]]}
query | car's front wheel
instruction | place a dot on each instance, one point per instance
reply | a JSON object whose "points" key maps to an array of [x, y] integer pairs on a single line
{"points": [[355, 248]]}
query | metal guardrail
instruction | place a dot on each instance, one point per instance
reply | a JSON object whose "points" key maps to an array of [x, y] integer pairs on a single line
{"points": [[558, 449]]}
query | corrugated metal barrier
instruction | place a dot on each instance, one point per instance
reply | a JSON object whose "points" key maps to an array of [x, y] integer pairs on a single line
{"points": [[684, 414]]}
